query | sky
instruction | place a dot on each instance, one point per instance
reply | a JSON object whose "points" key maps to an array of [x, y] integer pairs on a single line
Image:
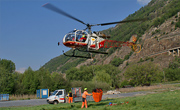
{"points": [[29, 33]]}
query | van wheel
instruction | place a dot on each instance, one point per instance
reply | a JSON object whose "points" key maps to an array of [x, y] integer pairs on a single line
{"points": [[55, 102]]}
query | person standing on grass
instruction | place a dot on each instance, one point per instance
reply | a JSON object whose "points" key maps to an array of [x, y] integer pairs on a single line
{"points": [[84, 95], [70, 96], [67, 99]]}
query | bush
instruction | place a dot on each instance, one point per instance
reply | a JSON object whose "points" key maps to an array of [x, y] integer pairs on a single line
{"points": [[127, 63], [152, 59], [143, 74], [117, 61], [141, 60], [125, 82], [172, 74], [102, 76], [177, 24], [174, 65], [128, 55]]}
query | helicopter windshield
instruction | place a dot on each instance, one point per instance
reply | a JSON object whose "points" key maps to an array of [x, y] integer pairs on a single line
{"points": [[76, 35], [70, 36]]}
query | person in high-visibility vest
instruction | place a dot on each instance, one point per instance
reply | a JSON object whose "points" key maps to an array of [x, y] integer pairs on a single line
{"points": [[67, 99], [83, 38], [84, 95], [70, 95]]}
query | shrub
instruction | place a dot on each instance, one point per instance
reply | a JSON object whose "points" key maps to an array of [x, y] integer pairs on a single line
{"points": [[178, 24], [128, 55], [102, 76], [125, 82], [143, 74], [172, 74], [141, 60], [117, 61]]}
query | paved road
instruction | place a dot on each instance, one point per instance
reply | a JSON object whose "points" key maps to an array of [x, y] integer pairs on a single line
{"points": [[34, 102]]}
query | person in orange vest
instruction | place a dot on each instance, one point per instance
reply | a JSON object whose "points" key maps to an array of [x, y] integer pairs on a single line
{"points": [[84, 95], [70, 95]]}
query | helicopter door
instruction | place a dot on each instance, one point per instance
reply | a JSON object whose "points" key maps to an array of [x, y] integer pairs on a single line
{"points": [[93, 42]]}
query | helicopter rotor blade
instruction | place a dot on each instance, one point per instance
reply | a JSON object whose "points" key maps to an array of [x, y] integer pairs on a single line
{"points": [[53, 8], [125, 21]]}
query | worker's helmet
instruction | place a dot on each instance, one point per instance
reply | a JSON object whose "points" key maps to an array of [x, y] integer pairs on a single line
{"points": [[85, 89], [69, 91]]}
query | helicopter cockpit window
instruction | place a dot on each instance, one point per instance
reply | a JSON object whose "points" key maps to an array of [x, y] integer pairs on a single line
{"points": [[70, 36], [81, 36]]}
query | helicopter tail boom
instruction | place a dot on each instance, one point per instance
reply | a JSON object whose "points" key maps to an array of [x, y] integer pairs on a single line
{"points": [[112, 43]]}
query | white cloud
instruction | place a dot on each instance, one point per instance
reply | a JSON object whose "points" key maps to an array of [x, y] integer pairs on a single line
{"points": [[143, 2], [21, 70]]}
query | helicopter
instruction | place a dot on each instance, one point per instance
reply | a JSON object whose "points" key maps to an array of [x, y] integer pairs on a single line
{"points": [[87, 41]]}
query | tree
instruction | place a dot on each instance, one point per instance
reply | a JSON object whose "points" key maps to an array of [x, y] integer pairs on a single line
{"points": [[143, 74], [28, 81], [58, 82], [6, 81], [8, 65], [33, 80], [18, 85], [172, 73], [84, 73], [44, 78], [87, 73], [102, 76], [114, 74], [72, 74]]}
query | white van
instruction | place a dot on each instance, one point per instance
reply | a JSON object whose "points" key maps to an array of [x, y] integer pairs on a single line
{"points": [[58, 96]]}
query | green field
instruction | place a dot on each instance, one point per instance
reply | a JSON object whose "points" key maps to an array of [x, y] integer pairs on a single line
{"points": [[168, 100]]}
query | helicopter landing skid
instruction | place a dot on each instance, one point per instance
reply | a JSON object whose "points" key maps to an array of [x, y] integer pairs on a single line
{"points": [[77, 56], [88, 57], [100, 52]]}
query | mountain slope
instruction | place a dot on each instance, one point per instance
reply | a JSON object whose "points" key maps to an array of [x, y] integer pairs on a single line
{"points": [[162, 31]]}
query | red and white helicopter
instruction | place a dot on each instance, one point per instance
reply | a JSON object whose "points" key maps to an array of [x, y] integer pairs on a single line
{"points": [[91, 42]]}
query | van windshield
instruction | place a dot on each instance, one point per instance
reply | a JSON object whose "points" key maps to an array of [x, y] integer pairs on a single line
{"points": [[54, 93]]}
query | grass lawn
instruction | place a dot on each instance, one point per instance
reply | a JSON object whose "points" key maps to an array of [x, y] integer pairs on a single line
{"points": [[168, 100]]}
